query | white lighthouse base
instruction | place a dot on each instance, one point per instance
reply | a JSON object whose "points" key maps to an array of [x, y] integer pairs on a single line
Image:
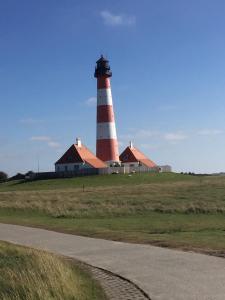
{"points": [[113, 163]]}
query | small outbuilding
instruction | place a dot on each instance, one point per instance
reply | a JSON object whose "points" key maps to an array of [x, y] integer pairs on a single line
{"points": [[77, 159], [135, 161]]}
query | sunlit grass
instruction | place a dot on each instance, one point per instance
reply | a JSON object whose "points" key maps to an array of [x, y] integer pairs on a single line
{"points": [[37, 275]]}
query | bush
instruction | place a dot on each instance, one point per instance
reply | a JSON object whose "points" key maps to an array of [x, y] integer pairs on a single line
{"points": [[3, 176]]}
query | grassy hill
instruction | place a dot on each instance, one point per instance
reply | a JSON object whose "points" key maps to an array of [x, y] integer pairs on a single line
{"points": [[94, 181], [38, 275], [171, 209]]}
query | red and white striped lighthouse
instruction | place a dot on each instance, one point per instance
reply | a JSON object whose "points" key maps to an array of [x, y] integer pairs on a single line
{"points": [[106, 143]]}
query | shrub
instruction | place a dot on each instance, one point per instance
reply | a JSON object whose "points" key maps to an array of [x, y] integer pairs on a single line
{"points": [[3, 176]]}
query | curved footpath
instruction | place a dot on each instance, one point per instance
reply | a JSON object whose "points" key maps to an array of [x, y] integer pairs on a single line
{"points": [[161, 273]]}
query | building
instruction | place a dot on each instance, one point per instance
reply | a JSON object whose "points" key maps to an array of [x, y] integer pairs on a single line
{"points": [[78, 158], [106, 140], [135, 161], [165, 169]]}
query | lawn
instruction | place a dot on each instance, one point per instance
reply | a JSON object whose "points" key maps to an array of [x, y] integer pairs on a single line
{"points": [[170, 210], [38, 275]]}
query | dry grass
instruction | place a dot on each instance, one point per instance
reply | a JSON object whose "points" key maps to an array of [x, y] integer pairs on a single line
{"points": [[205, 196], [30, 274]]}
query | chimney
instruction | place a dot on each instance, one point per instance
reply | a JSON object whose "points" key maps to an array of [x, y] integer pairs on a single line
{"points": [[78, 142], [131, 145]]}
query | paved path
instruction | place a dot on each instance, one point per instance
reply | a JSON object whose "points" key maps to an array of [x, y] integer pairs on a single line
{"points": [[162, 273], [117, 288]]}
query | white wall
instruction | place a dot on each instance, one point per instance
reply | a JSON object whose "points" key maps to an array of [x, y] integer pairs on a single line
{"points": [[165, 168], [71, 167], [135, 167], [127, 168], [124, 169]]}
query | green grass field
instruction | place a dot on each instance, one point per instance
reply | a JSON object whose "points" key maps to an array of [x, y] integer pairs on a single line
{"points": [[38, 275], [170, 210]]}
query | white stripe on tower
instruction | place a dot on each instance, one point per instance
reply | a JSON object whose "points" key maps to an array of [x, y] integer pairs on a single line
{"points": [[106, 143], [104, 96], [106, 130]]}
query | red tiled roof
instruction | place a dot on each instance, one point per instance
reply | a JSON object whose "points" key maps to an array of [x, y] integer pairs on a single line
{"points": [[90, 158], [132, 154], [81, 154]]}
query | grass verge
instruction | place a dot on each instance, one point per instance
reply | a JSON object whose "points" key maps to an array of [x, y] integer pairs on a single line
{"points": [[38, 275]]}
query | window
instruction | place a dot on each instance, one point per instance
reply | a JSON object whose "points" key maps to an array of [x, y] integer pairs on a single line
{"points": [[126, 157]]}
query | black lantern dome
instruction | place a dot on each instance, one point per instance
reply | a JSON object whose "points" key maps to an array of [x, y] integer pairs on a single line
{"points": [[102, 68]]}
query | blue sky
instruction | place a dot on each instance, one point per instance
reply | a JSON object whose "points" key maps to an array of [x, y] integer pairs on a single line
{"points": [[168, 84]]}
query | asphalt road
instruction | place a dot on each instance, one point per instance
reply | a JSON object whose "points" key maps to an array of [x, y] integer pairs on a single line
{"points": [[162, 273]]}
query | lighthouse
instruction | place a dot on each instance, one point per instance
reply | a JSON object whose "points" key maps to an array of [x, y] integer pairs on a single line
{"points": [[106, 140]]}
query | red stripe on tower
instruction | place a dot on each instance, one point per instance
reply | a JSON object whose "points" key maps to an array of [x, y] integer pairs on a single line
{"points": [[103, 83], [106, 143], [105, 113]]}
